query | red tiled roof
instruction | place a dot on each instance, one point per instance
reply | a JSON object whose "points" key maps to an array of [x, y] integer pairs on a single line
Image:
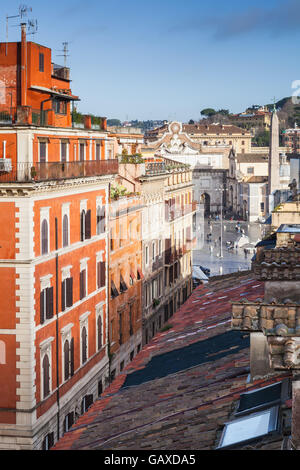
{"points": [[185, 409]]}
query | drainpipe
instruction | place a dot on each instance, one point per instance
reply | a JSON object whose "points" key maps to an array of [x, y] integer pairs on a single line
{"points": [[57, 329]]}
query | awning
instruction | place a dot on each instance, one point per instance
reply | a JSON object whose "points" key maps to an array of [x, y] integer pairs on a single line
{"points": [[199, 274], [54, 93], [141, 275]]}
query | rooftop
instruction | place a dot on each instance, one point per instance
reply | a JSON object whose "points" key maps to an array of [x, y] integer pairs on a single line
{"points": [[181, 389], [253, 157]]}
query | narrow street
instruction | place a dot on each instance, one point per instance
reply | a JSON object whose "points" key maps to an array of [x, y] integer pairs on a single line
{"points": [[210, 255]]}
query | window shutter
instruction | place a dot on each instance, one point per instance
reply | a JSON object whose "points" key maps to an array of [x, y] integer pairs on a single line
{"points": [[72, 357], [49, 303], [51, 440], [82, 225], [71, 419], [81, 285], [69, 299], [88, 225], [84, 344], [99, 325], [102, 219], [63, 297], [102, 269], [67, 359], [42, 313]]}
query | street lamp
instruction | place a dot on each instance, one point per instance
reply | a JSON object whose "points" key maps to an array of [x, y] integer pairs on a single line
{"points": [[221, 220]]}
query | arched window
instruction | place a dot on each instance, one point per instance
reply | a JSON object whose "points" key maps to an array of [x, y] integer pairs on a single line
{"points": [[99, 331], [46, 376], [84, 344], [44, 237], [65, 230], [2, 353], [67, 359]]}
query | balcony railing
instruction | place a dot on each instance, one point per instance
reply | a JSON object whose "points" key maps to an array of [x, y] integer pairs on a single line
{"points": [[26, 172]]}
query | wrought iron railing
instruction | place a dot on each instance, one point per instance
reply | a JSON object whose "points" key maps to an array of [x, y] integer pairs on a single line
{"points": [[26, 172]]}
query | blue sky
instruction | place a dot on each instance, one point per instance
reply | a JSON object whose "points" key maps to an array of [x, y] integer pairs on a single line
{"points": [[169, 59]]}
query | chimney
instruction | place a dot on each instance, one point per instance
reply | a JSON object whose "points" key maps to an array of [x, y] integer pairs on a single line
{"points": [[23, 65]]}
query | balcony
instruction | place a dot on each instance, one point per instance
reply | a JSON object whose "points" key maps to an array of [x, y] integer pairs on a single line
{"points": [[26, 172]]}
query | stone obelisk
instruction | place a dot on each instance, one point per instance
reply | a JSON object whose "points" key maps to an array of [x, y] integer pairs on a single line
{"points": [[274, 163]]}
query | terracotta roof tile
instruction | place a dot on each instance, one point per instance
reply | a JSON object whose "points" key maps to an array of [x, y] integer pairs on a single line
{"points": [[183, 383]]}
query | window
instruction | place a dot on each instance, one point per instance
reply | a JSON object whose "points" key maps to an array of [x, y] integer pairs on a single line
{"points": [[85, 225], [68, 421], [63, 151], [46, 304], [41, 62], [160, 247], [2, 353], [249, 427], [66, 360], [46, 376], [82, 286], [100, 388], [83, 345], [59, 106], [131, 320], [114, 290], [250, 170], [146, 255], [99, 332], [131, 355], [123, 286], [72, 357], [100, 274], [153, 251], [44, 230], [48, 442], [264, 397], [100, 220], [120, 328], [43, 151], [65, 230], [66, 293], [98, 151], [87, 401], [81, 151], [262, 206]]}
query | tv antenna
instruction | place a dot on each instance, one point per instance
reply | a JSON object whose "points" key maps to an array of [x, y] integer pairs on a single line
{"points": [[23, 10], [32, 26], [64, 53]]}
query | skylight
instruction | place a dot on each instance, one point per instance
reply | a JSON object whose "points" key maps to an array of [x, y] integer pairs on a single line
{"points": [[249, 427]]}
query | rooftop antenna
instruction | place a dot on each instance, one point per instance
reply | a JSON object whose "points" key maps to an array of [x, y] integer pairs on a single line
{"points": [[32, 26], [65, 53], [23, 10]]}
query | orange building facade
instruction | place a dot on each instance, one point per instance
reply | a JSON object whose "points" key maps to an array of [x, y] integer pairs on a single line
{"points": [[54, 196], [125, 282]]}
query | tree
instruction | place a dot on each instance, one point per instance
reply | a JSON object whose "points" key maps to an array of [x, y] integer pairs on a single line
{"points": [[191, 121], [114, 122], [208, 112]]}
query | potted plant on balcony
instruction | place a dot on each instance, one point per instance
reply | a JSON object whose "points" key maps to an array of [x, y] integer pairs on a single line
{"points": [[156, 302], [33, 172]]}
